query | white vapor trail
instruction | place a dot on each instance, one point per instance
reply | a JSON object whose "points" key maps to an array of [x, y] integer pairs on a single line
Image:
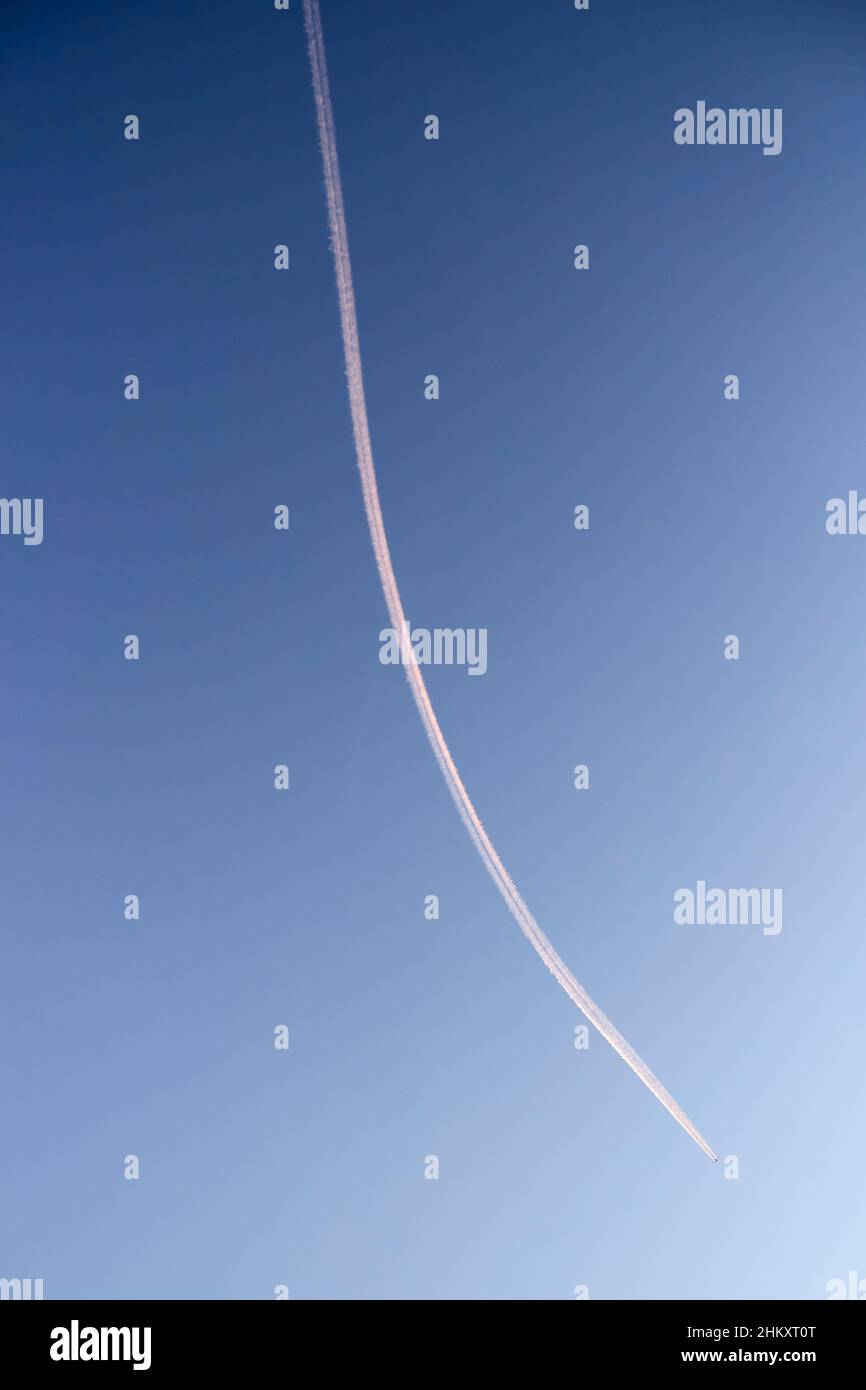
{"points": [[363, 449]]}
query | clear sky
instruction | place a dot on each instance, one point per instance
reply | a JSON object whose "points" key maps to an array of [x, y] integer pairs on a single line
{"points": [[411, 1037]]}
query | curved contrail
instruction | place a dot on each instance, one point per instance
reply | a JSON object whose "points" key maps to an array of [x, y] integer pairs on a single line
{"points": [[363, 449]]}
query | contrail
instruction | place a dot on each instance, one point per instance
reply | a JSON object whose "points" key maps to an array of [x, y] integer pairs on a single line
{"points": [[363, 449]]}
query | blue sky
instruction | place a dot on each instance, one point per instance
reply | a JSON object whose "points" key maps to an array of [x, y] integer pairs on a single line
{"points": [[260, 908]]}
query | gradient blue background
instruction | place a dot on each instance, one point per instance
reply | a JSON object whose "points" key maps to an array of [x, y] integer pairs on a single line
{"points": [[707, 517]]}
